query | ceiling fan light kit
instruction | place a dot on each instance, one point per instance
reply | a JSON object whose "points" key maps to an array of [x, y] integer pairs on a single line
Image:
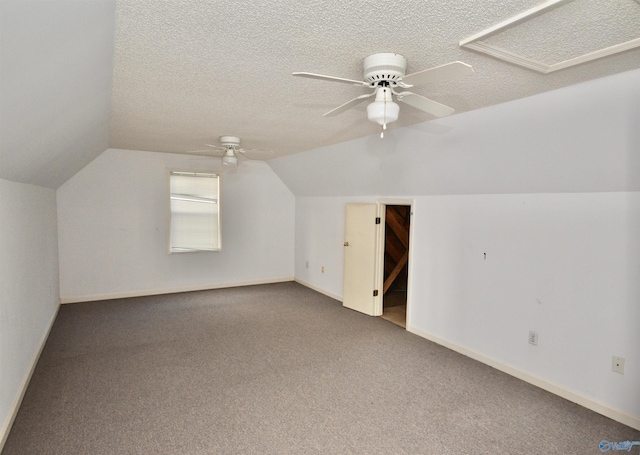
{"points": [[385, 73], [231, 144], [229, 159], [383, 110]]}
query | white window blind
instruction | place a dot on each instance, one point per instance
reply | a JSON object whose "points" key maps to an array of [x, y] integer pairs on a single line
{"points": [[195, 212]]}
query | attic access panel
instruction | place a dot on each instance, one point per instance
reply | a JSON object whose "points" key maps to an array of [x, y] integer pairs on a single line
{"points": [[567, 32]]}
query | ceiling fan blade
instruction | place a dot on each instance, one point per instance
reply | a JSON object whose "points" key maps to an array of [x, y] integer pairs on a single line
{"points": [[348, 105], [425, 104], [445, 72], [329, 78], [204, 153], [208, 152], [202, 158], [255, 154]]}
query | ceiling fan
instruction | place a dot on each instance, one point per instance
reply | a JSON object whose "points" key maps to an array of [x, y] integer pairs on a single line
{"points": [[385, 74], [230, 150]]}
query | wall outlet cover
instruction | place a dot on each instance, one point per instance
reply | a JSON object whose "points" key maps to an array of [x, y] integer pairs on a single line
{"points": [[533, 337], [618, 364]]}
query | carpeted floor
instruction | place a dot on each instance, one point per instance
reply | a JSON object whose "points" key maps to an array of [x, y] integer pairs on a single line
{"points": [[277, 369]]}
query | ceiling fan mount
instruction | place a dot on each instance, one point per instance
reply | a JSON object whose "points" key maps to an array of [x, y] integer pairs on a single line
{"points": [[230, 141], [384, 67]]}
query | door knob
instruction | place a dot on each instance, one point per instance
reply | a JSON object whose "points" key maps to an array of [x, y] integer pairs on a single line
{"points": [[346, 243]]}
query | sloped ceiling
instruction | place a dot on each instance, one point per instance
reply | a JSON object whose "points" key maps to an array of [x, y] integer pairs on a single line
{"points": [[582, 138], [55, 87], [78, 77]]}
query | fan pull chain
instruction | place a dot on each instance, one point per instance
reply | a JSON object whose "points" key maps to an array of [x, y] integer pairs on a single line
{"points": [[384, 123]]}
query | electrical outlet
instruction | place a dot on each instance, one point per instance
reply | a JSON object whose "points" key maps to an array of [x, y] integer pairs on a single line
{"points": [[533, 337], [322, 269], [618, 364], [307, 264]]}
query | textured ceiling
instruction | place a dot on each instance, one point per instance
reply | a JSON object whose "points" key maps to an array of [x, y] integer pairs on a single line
{"points": [[186, 72]]}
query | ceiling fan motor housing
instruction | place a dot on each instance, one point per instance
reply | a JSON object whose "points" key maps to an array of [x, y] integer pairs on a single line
{"points": [[387, 67], [230, 141]]}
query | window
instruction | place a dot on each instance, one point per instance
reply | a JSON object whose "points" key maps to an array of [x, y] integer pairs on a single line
{"points": [[195, 212]]}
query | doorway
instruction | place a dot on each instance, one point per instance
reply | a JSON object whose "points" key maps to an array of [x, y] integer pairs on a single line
{"points": [[396, 263]]}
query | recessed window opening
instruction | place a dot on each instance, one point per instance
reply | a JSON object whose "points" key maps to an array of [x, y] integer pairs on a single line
{"points": [[195, 211]]}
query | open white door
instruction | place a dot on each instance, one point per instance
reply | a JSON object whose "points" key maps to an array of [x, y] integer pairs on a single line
{"points": [[360, 258]]}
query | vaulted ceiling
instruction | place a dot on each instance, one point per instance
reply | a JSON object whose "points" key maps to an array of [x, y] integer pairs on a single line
{"points": [[79, 77]]}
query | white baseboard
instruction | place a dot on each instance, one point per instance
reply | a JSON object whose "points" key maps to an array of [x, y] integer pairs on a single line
{"points": [[317, 289], [8, 423], [575, 397], [148, 292]]}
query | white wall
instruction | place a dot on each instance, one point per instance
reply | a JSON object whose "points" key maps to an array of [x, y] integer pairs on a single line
{"points": [[28, 287], [564, 265], [114, 219], [548, 187], [319, 242]]}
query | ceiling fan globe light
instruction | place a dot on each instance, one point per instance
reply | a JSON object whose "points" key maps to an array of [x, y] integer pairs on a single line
{"points": [[229, 161], [383, 112]]}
